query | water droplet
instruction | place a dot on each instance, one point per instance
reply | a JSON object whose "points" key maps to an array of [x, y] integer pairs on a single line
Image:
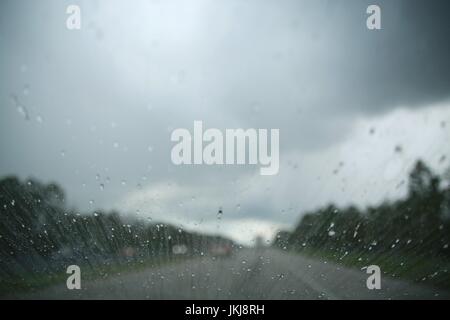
{"points": [[23, 111], [26, 90]]}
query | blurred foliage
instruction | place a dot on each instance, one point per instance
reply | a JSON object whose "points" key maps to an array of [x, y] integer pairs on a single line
{"points": [[403, 235], [39, 236]]}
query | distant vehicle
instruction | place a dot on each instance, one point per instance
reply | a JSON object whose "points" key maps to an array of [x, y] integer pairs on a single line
{"points": [[179, 249], [220, 250]]}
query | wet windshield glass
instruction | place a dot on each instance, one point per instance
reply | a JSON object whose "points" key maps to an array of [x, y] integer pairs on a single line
{"points": [[224, 149]]}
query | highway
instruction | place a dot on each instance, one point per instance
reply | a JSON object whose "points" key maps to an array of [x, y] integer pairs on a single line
{"points": [[247, 274]]}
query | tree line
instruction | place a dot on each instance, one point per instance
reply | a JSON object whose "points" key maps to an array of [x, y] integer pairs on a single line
{"points": [[38, 234], [416, 227]]}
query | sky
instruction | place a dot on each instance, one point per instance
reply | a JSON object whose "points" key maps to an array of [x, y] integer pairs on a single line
{"points": [[93, 109]]}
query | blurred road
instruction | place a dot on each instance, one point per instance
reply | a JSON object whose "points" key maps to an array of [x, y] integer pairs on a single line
{"points": [[248, 274]]}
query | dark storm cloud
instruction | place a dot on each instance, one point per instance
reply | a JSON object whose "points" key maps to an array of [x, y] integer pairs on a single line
{"points": [[324, 51], [404, 64]]}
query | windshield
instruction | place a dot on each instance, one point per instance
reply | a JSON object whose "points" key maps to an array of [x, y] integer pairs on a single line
{"points": [[224, 149]]}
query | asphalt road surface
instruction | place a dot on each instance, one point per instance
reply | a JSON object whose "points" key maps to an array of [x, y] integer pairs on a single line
{"points": [[248, 274]]}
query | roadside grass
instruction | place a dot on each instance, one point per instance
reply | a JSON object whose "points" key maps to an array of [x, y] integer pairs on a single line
{"points": [[31, 282], [434, 271]]}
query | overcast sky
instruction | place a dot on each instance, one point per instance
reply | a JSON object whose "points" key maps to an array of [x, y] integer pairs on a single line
{"points": [[93, 109]]}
